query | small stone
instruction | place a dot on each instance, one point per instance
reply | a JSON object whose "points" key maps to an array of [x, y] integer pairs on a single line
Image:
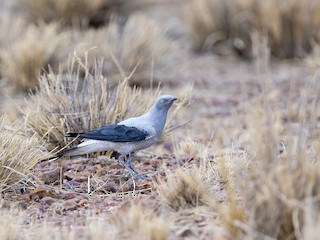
{"points": [[81, 168], [199, 219], [92, 169], [83, 202], [73, 184], [111, 186], [187, 158], [80, 179], [155, 164], [70, 205], [47, 200], [41, 192], [69, 195], [185, 232], [51, 176]]}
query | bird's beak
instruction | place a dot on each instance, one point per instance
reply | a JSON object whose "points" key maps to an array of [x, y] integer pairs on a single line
{"points": [[174, 99]]}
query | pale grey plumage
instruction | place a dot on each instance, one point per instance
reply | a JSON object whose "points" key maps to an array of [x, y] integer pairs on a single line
{"points": [[125, 137]]}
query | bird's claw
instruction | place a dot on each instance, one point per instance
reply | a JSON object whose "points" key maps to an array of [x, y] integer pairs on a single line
{"points": [[140, 176]]}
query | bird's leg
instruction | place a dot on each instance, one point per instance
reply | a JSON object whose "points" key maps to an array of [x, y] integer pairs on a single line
{"points": [[131, 171], [130, 162], [142, 176], [121, 160]]}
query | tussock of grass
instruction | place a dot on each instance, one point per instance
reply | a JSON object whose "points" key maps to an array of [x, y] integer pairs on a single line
{"points": [[68, 12], [226, 26], [22, 60], [187, 188], [140, 222], [125, 46], [230, 207], [145, 47], [83, 14], [18, 153]]}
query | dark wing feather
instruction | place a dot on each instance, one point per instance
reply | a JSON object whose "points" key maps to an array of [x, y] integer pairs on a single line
{"points": [[114, 133]]}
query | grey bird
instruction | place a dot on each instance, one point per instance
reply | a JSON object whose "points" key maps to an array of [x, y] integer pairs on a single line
{"points": [[126, 137]]}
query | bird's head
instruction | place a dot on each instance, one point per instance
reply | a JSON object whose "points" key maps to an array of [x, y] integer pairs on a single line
{"points": [[164, 102]]}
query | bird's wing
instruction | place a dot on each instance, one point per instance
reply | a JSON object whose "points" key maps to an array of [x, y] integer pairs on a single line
{"points": [[116, 133]]}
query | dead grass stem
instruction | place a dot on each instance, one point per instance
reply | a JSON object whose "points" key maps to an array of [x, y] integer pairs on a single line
{"points": [[19, 153]]}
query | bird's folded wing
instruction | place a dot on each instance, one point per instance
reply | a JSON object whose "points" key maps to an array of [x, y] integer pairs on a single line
{"points": [[116, 133]]}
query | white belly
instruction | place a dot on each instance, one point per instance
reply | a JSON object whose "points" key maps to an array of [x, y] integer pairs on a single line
{"points": [[89, 145]]}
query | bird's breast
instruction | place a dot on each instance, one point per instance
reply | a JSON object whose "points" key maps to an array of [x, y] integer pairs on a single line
{"points": [[128, 147]]}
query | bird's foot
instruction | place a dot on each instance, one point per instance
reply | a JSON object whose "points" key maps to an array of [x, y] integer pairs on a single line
{"points": [[136, 175], [133, 173], [140, 176]]}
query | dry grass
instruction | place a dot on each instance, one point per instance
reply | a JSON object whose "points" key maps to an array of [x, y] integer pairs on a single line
{"points": [[207, 183], [16, 25], [231, 208], [19, 153], [10, 220], [281, 183], [21, 61], [225, 27], [17, 224], [185, 189], [311, 218], [277, 188], [141, 222], [125, 46], [68, 12], [83, 14], [195, 184], [128, 47]]}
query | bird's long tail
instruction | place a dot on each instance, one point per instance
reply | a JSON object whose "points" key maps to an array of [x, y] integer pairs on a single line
{"points": [[67, 152], [70, 134]]}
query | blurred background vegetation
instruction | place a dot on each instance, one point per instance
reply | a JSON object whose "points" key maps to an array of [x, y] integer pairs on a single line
{"points": [[126, 34], [247, 165]]}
